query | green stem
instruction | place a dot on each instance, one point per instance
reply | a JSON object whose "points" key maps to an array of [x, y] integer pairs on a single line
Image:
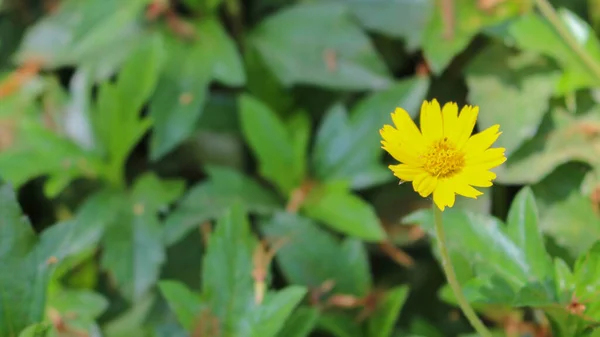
{"points": [[548, 11], [451, 276]]}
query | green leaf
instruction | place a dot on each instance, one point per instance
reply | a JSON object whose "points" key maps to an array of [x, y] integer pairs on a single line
{"points": [[381, 323], [299, 130], [562, 138], [130, 323], [62, 158], [405, 19], [313, 256], [504, 84], [271, 143], [153, 194], [181, 94], [533, 32], [82, 31], [185, 304], [301, 323], [87, 305], [448, 34], [270, 317], [330, 52], [36, 330], [343, 211], [21, 302], [340, 324], [134, 250], [212, 199], [523, 228], [348, 148], [498, 261], [227, 284], [561, 202]]}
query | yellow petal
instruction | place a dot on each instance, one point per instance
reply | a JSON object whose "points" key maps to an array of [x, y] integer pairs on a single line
{"points": [[461, 186], [478, 177], [424, 184], [392, 143], [482, 141], [444, 194], [405, 172], [450, 117], [466, 123], [408, 131], [487, 159], [432, 125]]}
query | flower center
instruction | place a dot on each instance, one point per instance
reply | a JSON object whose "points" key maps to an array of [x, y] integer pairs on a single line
{"points": [[443, 160]]}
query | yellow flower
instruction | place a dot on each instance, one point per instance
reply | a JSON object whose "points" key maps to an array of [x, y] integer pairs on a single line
{"points": [[443, 158]]}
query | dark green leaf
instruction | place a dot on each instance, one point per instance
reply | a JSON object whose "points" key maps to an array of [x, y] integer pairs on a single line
{"points": [[504, 84], [341, 150], [212, 199], [343, 211], [184, 303], [181, 93], [331, 51], [271, 143], [381, 324], [312, 256]]}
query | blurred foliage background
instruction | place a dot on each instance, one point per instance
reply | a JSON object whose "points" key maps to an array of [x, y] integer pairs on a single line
{"points": [[212, 167]]}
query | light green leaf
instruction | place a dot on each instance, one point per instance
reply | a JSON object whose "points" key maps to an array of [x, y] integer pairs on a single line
{"points": [[134, 250], [184, 303], [343, 211], [340, 150], [153, 194], [82, 31], [331, 51], [301, 323], [505, 84], [36, 330], [227, 284], [405, 19], [533, 32], [561, 202], [21, 302], [449, 34], [312, 256], [212, 199], [272, 145], [523, 228], [560, 139], [340, 324], [270, 317], [381, 323], [499, 263]]}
